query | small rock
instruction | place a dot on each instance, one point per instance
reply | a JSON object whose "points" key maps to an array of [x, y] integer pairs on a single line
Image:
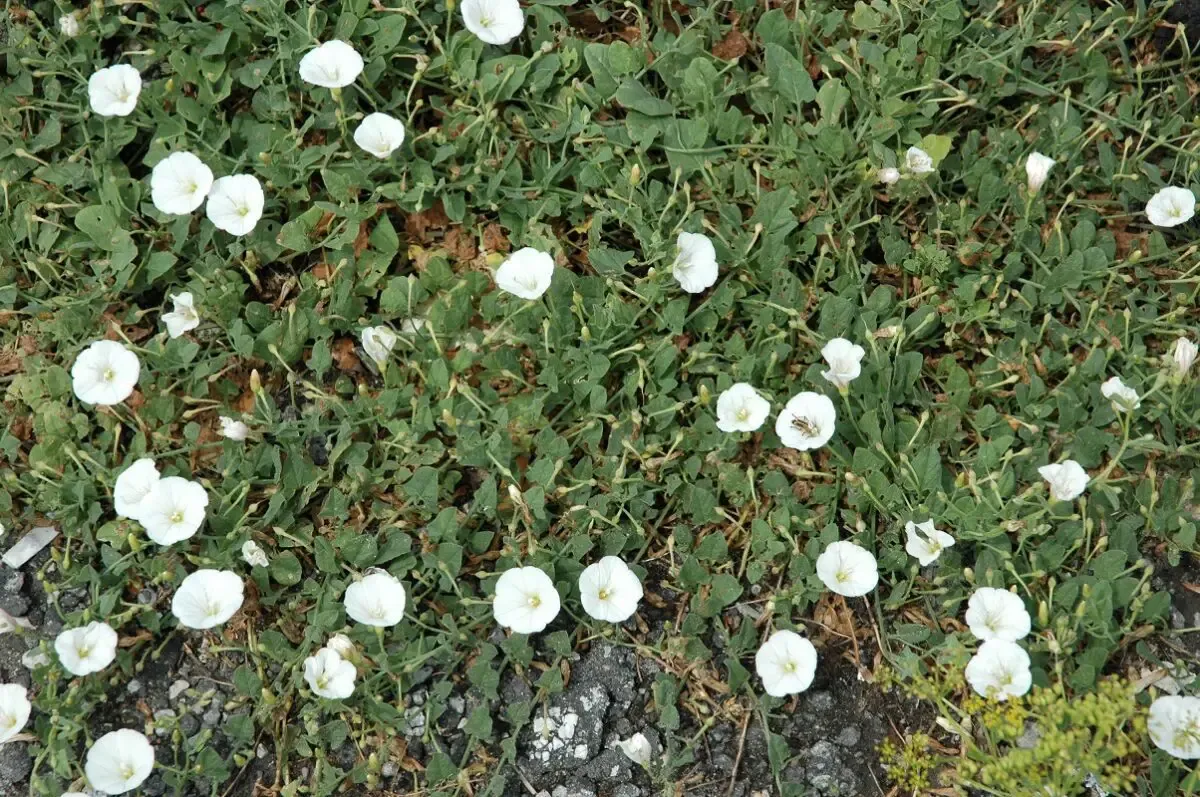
{"points": [[147, 596], [188, 725], [389, 769], [163, 721], [848, 737], [627, 790], [178, 688], [1030, 738], [134, 686], [15, 764], [212, 717], [14, 581], [154, 786], [261, 751]]}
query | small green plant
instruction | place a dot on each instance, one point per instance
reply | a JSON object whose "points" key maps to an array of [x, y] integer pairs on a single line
{"points": [[909, 765]]}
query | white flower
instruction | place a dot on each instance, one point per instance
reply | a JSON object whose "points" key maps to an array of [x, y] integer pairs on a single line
{"points": [[526, 600], [412, 326], [68, 25], [999, 670], [132, 487], [1184, 355], [184, 317], [342, 644], [235, 203], [34, 658], [254, 555], [1037, 168], [1174, 725], [105, 373], [232, 429], [637, 749], [378, 600], [114, 90], [88, 649], [847, 569], [379, 134], [493, 21], [329, 675], [14, 710], [695, 267], [845, 362], [1067, 479], [609, 590], [1171, 206], [889, 175], [174, 510], [74, 794], [997, 614], [332, 65], [179, 183], [918, 161], [8, 623], [207, 598], [741, 409], [786, 664], [1121, 395], [119, 761], [925, 542], [378, 342], [806, 422], [526, 273]]}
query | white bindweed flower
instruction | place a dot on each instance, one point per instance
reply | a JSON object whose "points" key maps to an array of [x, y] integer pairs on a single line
{"points": [[786, 664], [999, 670], [889, 175], [847, 569], [609, 590], [1123, 397], [1037, 169], [412, 326], [331, 65], [235, 203], [132, 487], [207, 598], [741, 409], [1171, 206], [342, 644], [9, 623], [34, 658], [232, 429], [925, 542], [174, 510], [526, 600], [74, 794], [1184, 355], [105, 373], [526, 273], [1067, 479], [254, 555], [1174, 725], [493, 21], [183, 318], [997, 614], [378, 343], [918, 161], [119, 761], [845, 362], [329, 675], [68, 25], [377, 600], [114, 90], [379, 134], [179, 183], [637, 749], [806, 422], [88, 649], [695, 267], [14, 710]]}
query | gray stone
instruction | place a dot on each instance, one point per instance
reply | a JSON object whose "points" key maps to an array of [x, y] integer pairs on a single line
{"points": [[134, 686], [212, 717], [15, 764], [828, 775], [188, 725], [147, 596], [627, 790], [178, 688], [1029, 739], [389, 769], [848, 737], [820, 701]]}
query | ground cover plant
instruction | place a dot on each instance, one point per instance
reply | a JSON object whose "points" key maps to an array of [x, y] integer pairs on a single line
{"points": [[577, 398]]}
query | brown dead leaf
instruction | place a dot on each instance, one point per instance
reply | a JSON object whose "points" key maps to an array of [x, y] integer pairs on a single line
{"points": [[732, 47], [417, 225], [344, 355], [363, 239], [321, 271], [460, 244], [494, 239]]}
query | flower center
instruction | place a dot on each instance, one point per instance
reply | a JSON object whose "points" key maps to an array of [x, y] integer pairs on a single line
{"points": [[108, 375], [743, 414], [213, 609], [842, 576], [378, 612], [191, 187], [535, 601], [603, 594], [127, 771], [486, 21], [242, 211], [789, 666], [176, 516], [804, 426], [83, 652], [322, 681]]}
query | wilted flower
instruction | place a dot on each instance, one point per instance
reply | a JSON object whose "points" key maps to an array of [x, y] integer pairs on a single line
{"points": [[1174, 725], [132, 487], [119, 761], [342, 644], [174, 510], [1184, 355], [179, 183], [377, 600], [741, 409], [114, 90], [786, 664], [254, 555], [526, 273], [378, 343], [9, 623], [88, 649], [207, 598], [925, 542], [999, 670], [329, 675], [379, 134], [412, 326], [235, 203], [845, 362], [493, 21], [1123, 397], [1067, 479], [1171, 206], [637, 749], [526, 600], [997, 614], [105, 373], [34, 658], [68, 25], [918, 161], [1037, 168], [184, 317], [806, 422], [847, 569], [332, 65], [609, 590], [233, 429], [695, 267], [889, 175], [14, 710]]}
